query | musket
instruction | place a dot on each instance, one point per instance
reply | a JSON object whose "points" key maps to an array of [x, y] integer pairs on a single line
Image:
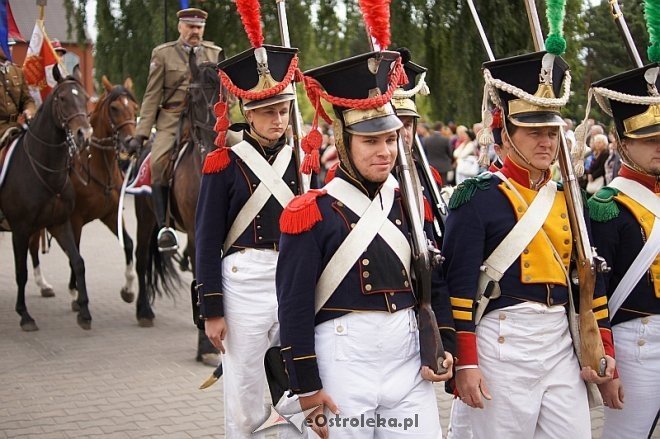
{"points": [[303, 181], [620, 21], [439, 204], [424, 254], [592, 353]]}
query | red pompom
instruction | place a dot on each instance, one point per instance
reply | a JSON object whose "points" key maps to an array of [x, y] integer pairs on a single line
{"points": [[311, 144], [250, 13], [302, 213], [312, 141], [216, 160], [311, 163]]}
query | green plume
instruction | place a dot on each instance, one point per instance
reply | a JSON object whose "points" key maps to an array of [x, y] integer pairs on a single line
{"points": [[652, 14], [555, 43]]}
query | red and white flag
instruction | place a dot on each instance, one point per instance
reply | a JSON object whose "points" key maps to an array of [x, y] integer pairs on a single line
{"points": [[39, 62]]}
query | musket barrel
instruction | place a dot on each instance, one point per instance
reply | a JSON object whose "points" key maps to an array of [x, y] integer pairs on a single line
{"points": [[620, 21], [533, 16], [480, 28]]}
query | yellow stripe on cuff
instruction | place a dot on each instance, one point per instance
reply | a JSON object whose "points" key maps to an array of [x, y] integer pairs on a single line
{"points": [[461, 303], [462, 315], [600, 301], [602, 314]]}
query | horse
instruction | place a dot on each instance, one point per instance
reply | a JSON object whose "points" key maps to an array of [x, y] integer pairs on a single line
{"points": [[194, 140], [37, 191]]}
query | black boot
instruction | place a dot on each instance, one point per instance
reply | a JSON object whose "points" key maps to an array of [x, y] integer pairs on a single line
{"points": [[167, 240]]}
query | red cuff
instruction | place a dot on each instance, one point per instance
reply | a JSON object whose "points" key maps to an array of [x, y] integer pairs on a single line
{"points": [[608, 346], [466, 349]]}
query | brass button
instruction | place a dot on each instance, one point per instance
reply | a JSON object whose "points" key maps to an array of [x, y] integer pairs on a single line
{"points": [[365, 274], [258, 227], [340, 204], [365, 261], [367, 287], [641, 220], [405, 284], [565, 256], [340, 329], [254, 184], [641, 342], [528, 278], [242, 251], [563, 215], [397, 222], [234, 269], [258, 216], [352, 225], [391, 293], [565, 228], [502, 316], [526, 251], [566, 241], [500, 339], [645, 320], [551, 301], [260, 238], [293, 182], [551, 285], [526, 264], [403, 272], [519, 209], [394, 307]]}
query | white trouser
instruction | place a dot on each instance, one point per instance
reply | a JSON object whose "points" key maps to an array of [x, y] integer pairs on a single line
{"points": [[527, 360], [637, 346], [459, 421], [250, 302], [370, 366]]}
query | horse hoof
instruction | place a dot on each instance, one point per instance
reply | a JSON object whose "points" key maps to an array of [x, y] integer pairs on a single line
{"points": [[47, 292], [127, 296], [210, 359], [29, 326], [145, 323], [74, 306], [73, 292], [84, 323]]}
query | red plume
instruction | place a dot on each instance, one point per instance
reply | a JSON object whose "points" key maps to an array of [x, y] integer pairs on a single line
{"points": [[250, 13], [377, 18]]}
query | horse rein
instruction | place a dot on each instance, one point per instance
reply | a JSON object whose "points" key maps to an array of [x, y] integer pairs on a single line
{"points": [[207, 125]]}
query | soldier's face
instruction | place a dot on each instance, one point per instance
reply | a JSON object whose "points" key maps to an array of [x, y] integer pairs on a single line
{"points": [[190, 33], [645, 153], [537, 144], [407, 131], [270, 122], [374, 156]]}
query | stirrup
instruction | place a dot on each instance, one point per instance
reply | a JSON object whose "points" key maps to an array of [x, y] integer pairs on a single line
{"points": [[167, 240]]}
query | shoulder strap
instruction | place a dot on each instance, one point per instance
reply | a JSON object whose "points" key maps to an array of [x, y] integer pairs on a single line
{"points": [[639, 193]]}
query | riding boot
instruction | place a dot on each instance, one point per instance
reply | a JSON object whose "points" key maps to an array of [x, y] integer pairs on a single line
{"points": [[167, 240]]}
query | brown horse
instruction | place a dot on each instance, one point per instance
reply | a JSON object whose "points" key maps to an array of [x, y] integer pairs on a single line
{"points": [[97, 179], [37, 191]]}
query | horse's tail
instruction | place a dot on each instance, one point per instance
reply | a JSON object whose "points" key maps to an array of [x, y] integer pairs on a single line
{"points": [[162, 277]]}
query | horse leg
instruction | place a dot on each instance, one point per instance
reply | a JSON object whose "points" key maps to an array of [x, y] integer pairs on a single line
{"points": [[126, 292], [45, 288], [76, 226], [145, 227], [20, 242], [64, 235]]}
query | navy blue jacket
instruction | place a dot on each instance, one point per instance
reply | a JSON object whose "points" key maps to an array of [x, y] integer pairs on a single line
{"points": [[377, 282]]}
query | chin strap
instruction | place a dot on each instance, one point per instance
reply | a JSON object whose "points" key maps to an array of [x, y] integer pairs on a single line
{"points": [[260, 138], [520, 154]]}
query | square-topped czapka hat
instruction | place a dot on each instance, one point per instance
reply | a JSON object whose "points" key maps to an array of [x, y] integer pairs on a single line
{"points": [[531, 88], [260, 76], [360, 90], [633, 120], [404, 96]]}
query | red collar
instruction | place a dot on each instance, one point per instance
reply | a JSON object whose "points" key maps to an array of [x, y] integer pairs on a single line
{"points": [[650, 182], [520, 175]]}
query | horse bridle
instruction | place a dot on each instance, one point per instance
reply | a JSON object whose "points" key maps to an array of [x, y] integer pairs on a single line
{"points": [[208, 123], [68, 142]]}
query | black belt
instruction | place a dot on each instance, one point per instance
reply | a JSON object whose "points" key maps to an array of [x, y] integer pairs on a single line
{"points": [[172, 105], [11, 118]]}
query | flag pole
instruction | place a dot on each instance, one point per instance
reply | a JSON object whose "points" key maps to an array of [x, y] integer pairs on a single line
{"points": [[42, 8]]}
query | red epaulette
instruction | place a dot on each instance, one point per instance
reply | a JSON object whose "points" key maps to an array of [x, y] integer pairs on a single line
{"points": [[216, 161], [436, 176], [428, 212], [302, 213], [331, 173]]}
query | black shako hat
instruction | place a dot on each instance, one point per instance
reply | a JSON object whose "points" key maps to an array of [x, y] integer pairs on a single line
{"points": [[404, 96], [634, 120], [259, 69], [361, 77], [539, 74]]}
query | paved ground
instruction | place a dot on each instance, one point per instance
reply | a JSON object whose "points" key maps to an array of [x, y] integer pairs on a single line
{"points": [[116, 380]]}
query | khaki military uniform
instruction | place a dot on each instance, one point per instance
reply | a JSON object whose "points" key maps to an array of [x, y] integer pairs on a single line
{"points": [[14, 96], [163, 99]]}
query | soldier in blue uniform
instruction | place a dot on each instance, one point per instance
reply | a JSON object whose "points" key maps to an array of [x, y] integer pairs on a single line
{"points": [[516, 366], [626, 226], [244, 189], [346, 302]]}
